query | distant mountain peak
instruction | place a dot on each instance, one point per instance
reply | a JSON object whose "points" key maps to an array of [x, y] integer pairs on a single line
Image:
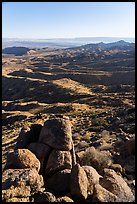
{"points": [[101, 43], [122, 42]]}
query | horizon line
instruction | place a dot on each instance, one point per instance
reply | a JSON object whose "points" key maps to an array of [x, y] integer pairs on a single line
{"points": [[63, 37]]}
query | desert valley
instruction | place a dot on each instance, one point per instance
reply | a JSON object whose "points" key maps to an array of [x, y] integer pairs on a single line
{"points": [[93, 85]]}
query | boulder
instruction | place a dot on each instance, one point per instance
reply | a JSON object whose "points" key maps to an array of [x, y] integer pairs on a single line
{"points": [[116, 185], [44, 197], [78, 183], [56, 133], [102, 195], [42, 152], [58, 160], [28, 135], [21, 182], [59, 182], [21, 159], [93, 177], [64, 199]]}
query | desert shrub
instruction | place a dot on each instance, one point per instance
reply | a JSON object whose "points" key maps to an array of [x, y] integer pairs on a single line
{"points": [[95, 158]]}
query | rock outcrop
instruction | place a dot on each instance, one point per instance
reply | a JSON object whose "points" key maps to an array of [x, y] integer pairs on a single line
{"points": [[44, 168]]}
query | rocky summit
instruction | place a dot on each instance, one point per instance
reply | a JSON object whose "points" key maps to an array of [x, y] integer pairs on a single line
{"points": [[44, 167]]}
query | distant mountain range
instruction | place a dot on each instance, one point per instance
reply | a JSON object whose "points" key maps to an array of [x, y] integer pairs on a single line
{"points": [[18, 51], [59, 42], [120, 43]]}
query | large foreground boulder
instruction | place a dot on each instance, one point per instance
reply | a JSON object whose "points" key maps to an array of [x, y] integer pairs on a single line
{"points": [[79, 183], [59, 182], [22, 159], [58, 160], [56, 133], [21, 183], [117, 185]]}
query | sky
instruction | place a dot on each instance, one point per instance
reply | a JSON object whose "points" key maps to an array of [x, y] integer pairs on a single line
{"points": [[44, 20]]}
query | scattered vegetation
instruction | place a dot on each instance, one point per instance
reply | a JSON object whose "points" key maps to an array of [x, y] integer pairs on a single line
{"points": [[95, 158]]}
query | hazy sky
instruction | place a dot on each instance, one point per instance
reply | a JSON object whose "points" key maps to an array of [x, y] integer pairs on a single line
{"points": [[68, 19]]}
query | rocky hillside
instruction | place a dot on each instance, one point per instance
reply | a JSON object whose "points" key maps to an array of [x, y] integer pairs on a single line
{"points": [[47, 165]]}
